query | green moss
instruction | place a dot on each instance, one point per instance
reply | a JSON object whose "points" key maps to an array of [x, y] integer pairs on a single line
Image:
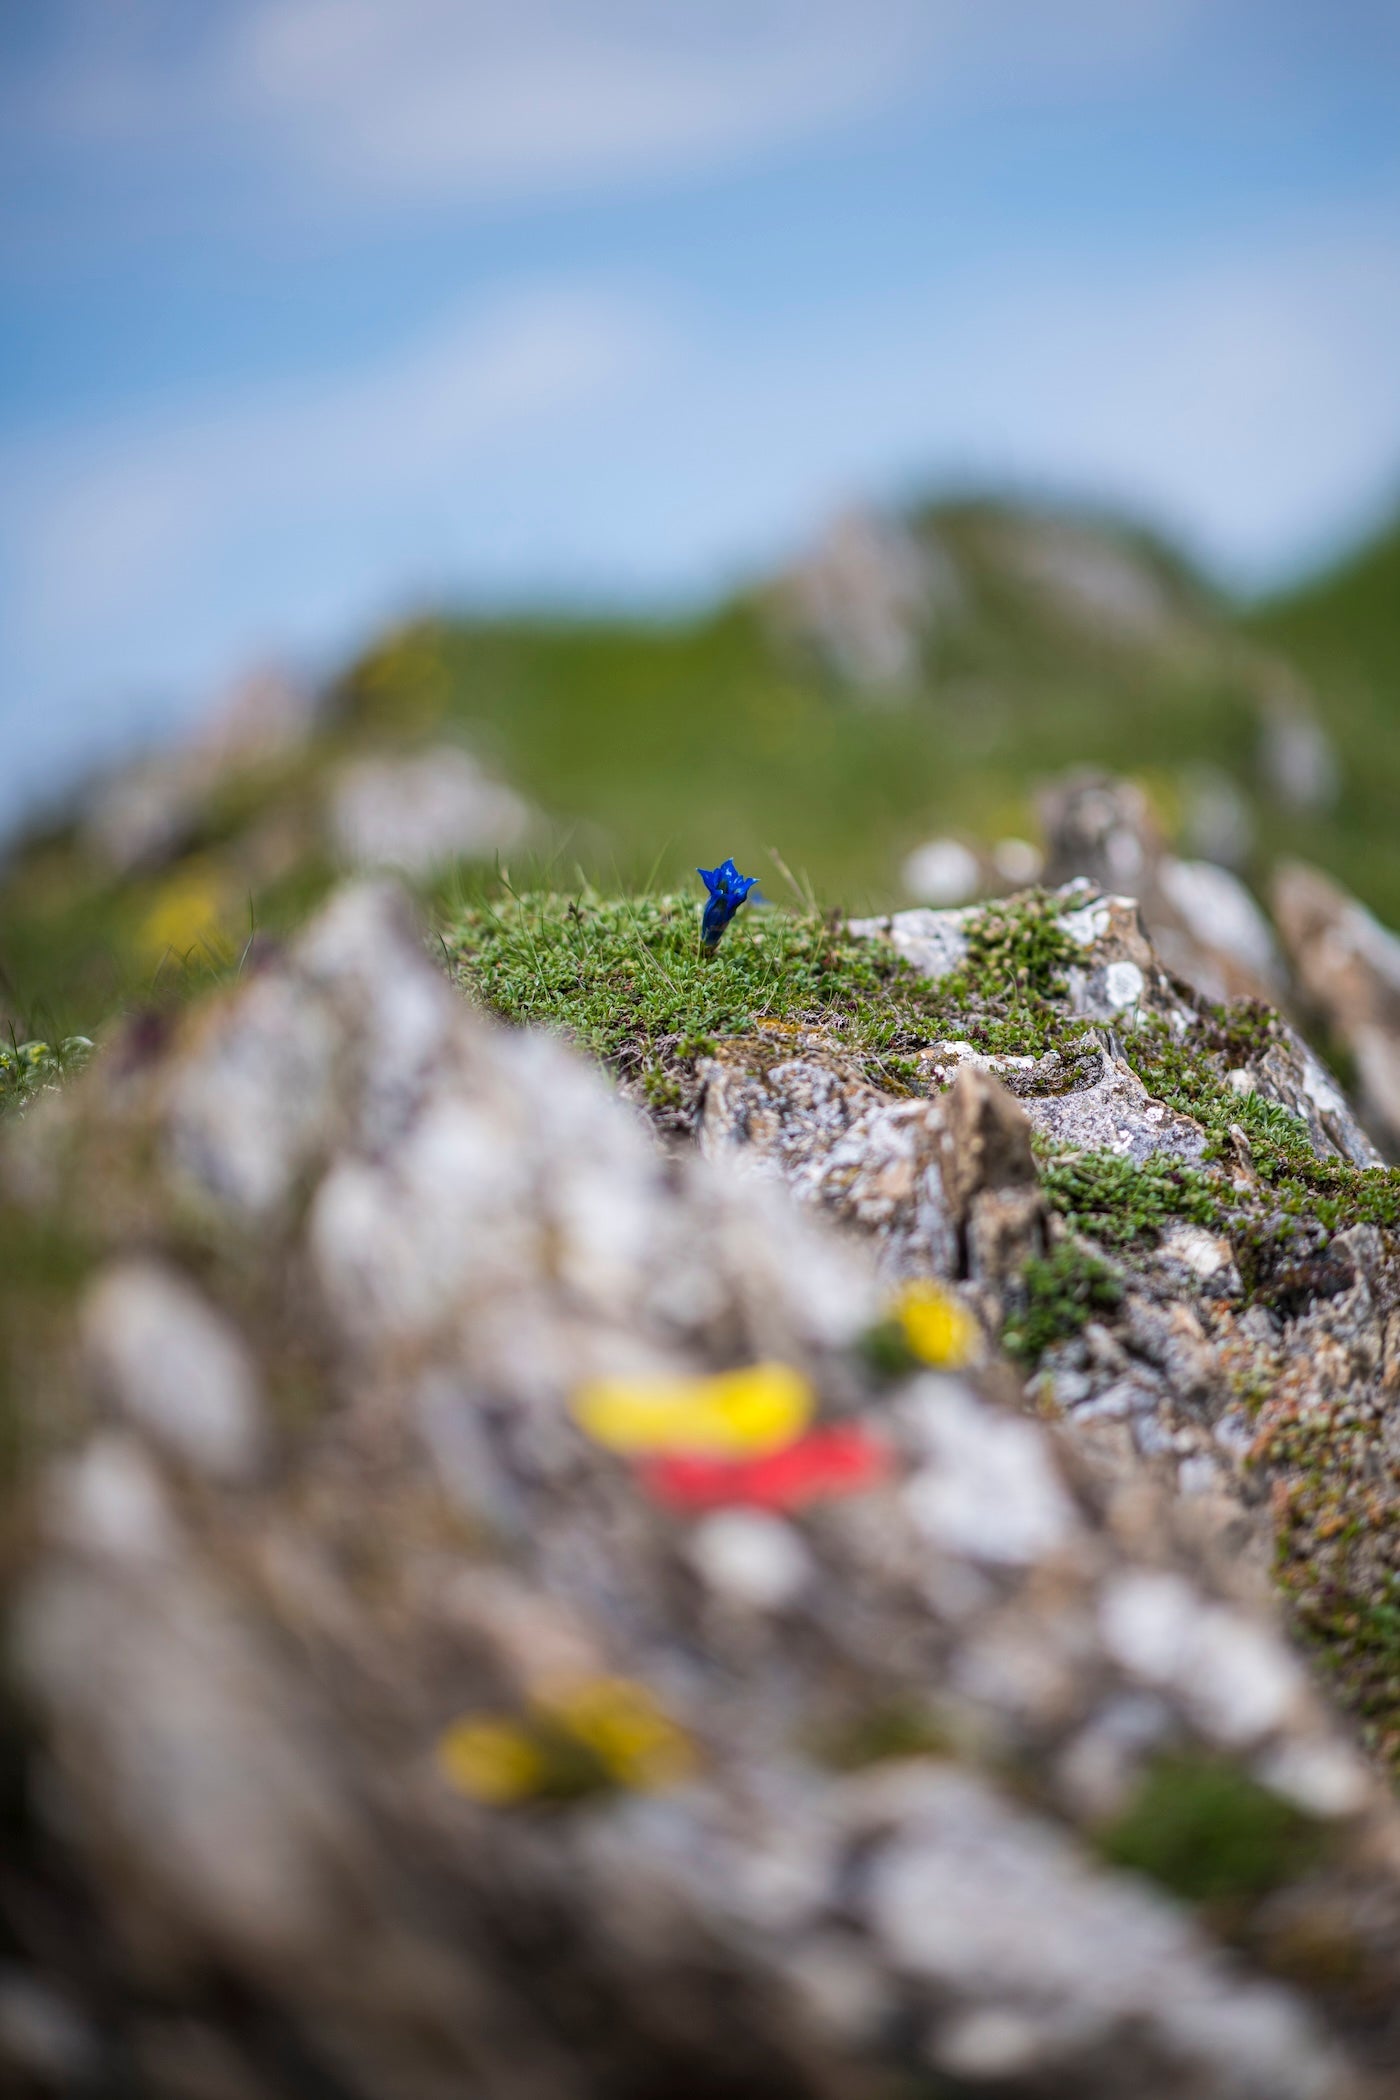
{"points": [[628, 980], [1018, 946], [1210, 1833], [1008, 991], [1063, 1292], [1354, 1636], [1301, 1199], [1117, 1201]]}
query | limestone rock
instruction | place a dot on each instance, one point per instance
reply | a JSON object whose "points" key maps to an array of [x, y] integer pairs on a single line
{"points": [[421, 813], [1204, 924], [1348, 968], [866, 597], [284, 1812], [168, 1363]]}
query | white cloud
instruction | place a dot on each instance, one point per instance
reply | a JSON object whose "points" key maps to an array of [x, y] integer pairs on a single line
{"points": [[570, 438], [489, 98], [485, 98], [602, 442], [1240, 395], [1246, 397]]}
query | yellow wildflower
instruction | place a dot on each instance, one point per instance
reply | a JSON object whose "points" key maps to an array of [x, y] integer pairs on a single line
{"points": [[734, 1415], [491, 1759], [185, 914], [938, 1330], [604, 1732], [636, 1743]]}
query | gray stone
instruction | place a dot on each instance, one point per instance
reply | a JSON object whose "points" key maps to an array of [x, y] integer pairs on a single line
{"points": [[906, 1709], [173, 1367]]}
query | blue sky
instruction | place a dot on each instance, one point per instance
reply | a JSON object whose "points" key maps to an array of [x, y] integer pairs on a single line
{"points": [[316, 310]]}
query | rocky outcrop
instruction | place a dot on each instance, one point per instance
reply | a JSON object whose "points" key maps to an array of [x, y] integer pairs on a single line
{"points": [[1348, 969], [391, 1711], [1208, 1284], [866, 598], [1204, 923], [421, 813]]}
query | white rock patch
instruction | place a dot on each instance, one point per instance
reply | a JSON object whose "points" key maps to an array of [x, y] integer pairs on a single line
{"points": [[1237, 1679], [750, 1558], [1124, 985], [174, 1367], [988, 1487]]}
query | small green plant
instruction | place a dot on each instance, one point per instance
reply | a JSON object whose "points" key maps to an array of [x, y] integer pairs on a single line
{"points": [[1117, 1201], [1022, 945], [1007, 991], [1064, 1290], [1210, 1833], [27, 1067]]}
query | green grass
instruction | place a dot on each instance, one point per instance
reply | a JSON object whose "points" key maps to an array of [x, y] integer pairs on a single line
{"points": [[695, 738], [629, 982], [652, 746], [1341, 631], [707, 738]]}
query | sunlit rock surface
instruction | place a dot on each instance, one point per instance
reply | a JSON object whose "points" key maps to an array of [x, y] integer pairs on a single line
{"points": [[1348, 968], [930, 1743]]}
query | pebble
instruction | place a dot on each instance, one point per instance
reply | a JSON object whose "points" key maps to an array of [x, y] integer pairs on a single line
{"points": [[750, 1558]]}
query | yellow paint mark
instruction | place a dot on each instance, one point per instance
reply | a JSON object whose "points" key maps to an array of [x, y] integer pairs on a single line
{"points": [[734, 1415]]}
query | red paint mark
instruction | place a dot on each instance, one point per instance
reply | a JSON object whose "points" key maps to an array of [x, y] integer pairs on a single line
{"points": [[841, 1460]]}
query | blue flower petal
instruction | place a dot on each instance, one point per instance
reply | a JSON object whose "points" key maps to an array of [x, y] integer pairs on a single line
{"points": [[728, 889]]}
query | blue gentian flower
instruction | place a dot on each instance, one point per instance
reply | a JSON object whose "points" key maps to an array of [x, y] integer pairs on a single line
{"points": [[728, 889]]}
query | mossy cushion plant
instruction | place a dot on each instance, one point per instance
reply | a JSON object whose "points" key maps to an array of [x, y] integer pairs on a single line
{"points": [[628, 980], [1064, 1291], [1210, 1833]]}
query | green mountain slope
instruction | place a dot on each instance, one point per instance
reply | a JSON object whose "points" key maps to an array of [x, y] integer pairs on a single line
{"points": [[906, 681], [733, 733]]}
